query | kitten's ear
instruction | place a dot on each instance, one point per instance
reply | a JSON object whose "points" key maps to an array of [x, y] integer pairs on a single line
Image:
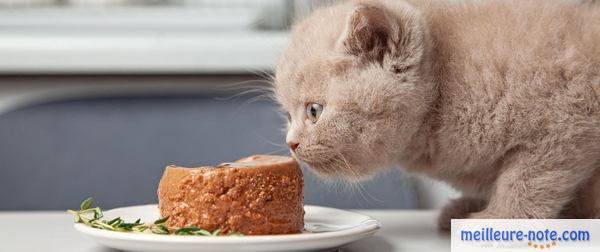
{"points": [[369, 32]]}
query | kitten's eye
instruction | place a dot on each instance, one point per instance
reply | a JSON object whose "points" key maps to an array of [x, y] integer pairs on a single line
{"points": [[289, 117], [313, 111]]}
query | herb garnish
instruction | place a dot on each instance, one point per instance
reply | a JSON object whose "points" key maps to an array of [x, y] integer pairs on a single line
{"points": [[92, 216]]}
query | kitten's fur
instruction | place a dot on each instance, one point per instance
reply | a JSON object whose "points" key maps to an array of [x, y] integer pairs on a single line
{"points": [[501, 99]]}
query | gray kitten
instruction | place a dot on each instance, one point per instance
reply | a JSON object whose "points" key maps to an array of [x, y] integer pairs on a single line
{"points": [[498, 98]]}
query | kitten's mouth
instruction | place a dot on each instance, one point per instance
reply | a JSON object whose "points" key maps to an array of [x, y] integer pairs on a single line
{"points": [[331, 166], [324, 160], [322, 168]]}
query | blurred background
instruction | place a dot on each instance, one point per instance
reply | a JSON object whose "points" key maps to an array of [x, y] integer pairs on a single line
{"points": [[98, 96]]}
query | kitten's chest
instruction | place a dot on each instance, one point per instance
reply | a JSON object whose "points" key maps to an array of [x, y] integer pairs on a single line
{"points": [[473, 181], [471, 175], [466, 164]]}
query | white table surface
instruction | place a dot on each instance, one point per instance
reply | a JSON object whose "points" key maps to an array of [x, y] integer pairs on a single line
{"points": [[402, 230]]}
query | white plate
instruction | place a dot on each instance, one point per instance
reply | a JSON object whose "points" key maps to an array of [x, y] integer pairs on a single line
{"points": [[326, 228]]}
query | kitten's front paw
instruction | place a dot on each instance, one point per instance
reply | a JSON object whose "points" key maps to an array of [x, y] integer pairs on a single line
{"points": [[459, 209]]}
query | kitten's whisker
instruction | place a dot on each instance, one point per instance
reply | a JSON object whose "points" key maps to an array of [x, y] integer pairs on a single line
{"points": [[261, 72], [357, 181], [272, 143], [238, 94], [261, 97], [279, 151], [250, 101], [243, 85]]}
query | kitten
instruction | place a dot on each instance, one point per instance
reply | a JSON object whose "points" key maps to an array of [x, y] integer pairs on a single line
{"points": [[501, 99]]}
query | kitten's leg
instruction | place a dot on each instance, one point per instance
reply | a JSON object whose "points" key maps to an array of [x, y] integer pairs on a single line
{"points": [[536, 186], [459, 209]]}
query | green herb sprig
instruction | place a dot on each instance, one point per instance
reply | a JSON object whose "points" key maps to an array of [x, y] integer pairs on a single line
{"points": [[92, 216]]}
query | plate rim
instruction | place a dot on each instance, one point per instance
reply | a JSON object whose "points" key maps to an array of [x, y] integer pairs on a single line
{"points": [[370, 227]]}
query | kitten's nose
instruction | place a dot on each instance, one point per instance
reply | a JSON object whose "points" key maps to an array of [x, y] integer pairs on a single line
{"points": [[293, 145]]}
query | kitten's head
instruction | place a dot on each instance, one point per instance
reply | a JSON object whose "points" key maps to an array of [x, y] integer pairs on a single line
{"points": [[355, 81]]}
